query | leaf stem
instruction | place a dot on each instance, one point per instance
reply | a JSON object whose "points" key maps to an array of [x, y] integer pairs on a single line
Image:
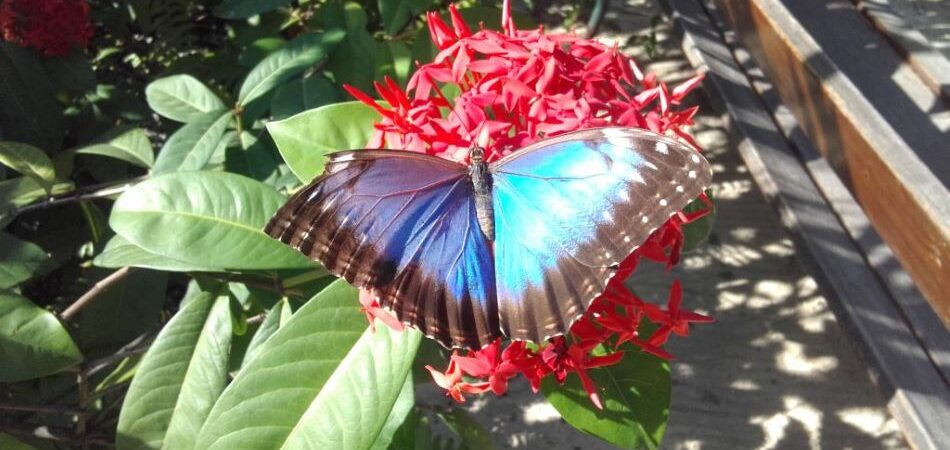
{"points": [[90, 295]]}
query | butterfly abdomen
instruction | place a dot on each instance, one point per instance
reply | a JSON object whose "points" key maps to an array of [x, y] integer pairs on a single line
{"points": [[481, 181]]}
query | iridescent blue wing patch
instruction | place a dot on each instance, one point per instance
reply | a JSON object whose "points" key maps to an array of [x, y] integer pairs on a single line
{"points": [[404, 225], [569, 209]]}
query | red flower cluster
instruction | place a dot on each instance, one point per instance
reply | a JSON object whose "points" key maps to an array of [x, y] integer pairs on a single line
{"points": [[515, 87], [51, 26]]}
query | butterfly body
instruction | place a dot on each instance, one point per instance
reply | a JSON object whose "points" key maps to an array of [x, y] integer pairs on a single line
{"points": [[518, 247], [481, 183]]}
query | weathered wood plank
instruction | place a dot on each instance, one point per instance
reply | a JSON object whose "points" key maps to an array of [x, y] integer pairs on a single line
{"points": [[933, 335], [919, 396], [930, 65], [907, 203]]}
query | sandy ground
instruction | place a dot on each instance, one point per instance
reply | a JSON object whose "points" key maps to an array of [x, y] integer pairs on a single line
{"points": [[775, 371]]}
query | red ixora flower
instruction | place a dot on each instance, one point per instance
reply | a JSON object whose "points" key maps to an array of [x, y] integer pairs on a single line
{"points": [[51, 26], [515, 87]]}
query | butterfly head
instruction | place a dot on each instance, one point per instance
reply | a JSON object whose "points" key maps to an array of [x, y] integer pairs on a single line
{"points": [[477, 155]]}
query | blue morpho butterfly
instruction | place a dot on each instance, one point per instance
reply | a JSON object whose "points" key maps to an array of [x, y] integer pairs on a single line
{"points": [[519, 247]]}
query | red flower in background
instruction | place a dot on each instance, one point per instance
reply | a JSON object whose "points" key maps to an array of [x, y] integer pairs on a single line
{"points": [[516, 87], [51, 26]]}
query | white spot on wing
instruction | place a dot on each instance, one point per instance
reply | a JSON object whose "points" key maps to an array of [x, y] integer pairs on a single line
{"points": [[662, 148]]}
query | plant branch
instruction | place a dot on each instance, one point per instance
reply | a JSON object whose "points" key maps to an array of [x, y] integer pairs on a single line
{"points": [[43, 409], [87, 193], [87, 298]]}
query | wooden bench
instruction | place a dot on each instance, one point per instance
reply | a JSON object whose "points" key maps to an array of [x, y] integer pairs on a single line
{"points": [[862, 204]]}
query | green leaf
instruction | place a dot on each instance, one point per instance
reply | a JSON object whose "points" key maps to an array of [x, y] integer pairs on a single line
{"points": [[395, 14], [8, 442], [179, 378], [242, 9], [253, 157], [354, 60], [636, 396], [32, 341], [19, 260], [30, 161], [301, 95], [398, 417], [291, 60], [181, 98], [304, 140], [353, 378], [119, 252], [205, 219], [29, 111], [193, 145], [22, 191], [131, 146], [259, 49], [697, 231]]}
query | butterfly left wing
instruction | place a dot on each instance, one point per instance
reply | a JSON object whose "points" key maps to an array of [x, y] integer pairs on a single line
{"points": [[569, 209], [403, 225]]}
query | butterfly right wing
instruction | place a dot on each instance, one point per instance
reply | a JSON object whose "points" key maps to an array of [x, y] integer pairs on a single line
{"points": [[404, 225]]}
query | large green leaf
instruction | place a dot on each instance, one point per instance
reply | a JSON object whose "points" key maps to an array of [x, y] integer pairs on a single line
{"points": [[304, 140], [324, 380], [205, 219], [119, 252], [193, 145], [181, 98], [30, 161], [242, 9], [19, 260], [291, 60], [179, 378], [29, 111], [398, 416], [131, 146], [32, 341], [636, 398]]}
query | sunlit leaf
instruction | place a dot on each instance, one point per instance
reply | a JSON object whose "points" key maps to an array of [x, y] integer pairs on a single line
{"points": [[30, 161], [354, 377], [182, 98], [179, 378], [131, 146], [287, 62], [193, 145], [205, 219], [304, 140], [33, 343]]}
